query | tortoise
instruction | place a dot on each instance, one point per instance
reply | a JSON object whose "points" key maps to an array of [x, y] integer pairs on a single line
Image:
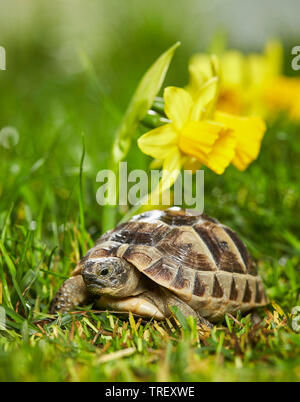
{"points": [[160, 259]]}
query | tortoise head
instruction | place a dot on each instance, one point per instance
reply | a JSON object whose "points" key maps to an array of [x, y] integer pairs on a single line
{"points": [[110, 276]]}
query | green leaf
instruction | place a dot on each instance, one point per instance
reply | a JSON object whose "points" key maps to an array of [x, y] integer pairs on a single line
{"points": [[141, 101], [139, 105]]}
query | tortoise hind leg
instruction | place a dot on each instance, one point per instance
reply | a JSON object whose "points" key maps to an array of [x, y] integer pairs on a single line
{"points": [[164, 300], [72, 293]]}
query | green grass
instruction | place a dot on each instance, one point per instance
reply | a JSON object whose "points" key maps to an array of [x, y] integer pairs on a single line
{"points": [[262, 204], [49, 218]]}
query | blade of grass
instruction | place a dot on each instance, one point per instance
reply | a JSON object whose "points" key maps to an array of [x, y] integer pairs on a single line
{"points": [[13, 274], [81, 199], [5, 288]]}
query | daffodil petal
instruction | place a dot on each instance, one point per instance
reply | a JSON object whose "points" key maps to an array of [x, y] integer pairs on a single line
{"points": [[257, 71], [200, 69], [233, 68], [178, 106], [205, 95], [295, 109], [197, 138], [156, 164], [158, 142], [171, 169], [284, 94], [249, 133], [274, 56]]}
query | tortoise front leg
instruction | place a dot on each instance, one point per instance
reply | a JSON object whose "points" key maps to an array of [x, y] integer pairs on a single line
{"points": [[72, 293]]}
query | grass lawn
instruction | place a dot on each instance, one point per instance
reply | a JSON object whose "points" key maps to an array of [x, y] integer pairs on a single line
{"points": [[49, 218]]}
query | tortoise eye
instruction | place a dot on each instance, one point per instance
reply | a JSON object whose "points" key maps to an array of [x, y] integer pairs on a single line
{"points": [[104, 272]]}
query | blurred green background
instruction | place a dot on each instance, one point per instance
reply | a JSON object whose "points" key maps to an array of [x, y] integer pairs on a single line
{"points": [[51, 99]]}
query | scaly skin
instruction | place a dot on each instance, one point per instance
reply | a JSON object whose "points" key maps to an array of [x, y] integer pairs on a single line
{"points": [[154, 302], [72, 293]]}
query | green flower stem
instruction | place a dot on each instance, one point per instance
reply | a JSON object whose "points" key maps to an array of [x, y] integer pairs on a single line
{"points": [[159, 105], [153, 119]]}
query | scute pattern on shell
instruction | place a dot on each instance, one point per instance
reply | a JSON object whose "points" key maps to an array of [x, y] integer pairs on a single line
{"points": [[202, 261]]}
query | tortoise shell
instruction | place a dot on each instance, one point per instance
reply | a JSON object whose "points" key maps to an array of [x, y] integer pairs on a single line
{"points": [[200, 260]]}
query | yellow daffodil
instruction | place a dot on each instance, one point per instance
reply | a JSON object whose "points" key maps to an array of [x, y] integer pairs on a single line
{"points": [[251, 84], [231, 77], [284, 95], [198, 134], [189, 136]]}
